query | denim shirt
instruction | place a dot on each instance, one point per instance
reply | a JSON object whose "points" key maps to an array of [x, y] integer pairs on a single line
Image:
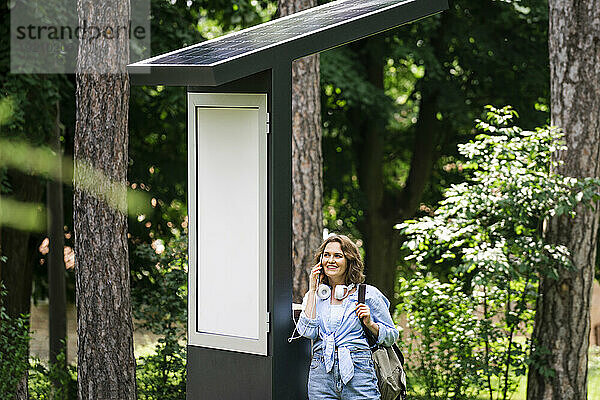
{"points": [[349, 334]]}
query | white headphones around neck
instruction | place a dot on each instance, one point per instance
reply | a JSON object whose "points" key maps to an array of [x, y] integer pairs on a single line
{"points": [[341, 291]]}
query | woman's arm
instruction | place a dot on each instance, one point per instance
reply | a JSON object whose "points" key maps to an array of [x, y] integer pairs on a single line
{"points": [[387, 333], [308, 325], [308, 304]]}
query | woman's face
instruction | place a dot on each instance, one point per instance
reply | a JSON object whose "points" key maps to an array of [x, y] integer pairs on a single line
{"points": [[334, 263]]}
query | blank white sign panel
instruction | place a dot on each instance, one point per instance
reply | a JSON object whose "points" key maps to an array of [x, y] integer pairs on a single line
{"points": [[228, 200], [229, 263]]}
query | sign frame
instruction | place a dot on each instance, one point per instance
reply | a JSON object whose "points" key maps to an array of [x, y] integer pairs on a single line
{"points": [[251, 274]]}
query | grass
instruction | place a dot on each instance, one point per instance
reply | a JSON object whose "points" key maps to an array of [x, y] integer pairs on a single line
{"points": [[594, 373], [593, 380], [593, 377], [519, 394]]}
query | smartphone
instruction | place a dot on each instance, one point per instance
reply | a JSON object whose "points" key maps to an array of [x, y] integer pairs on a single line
{"points": [[322, 269]]}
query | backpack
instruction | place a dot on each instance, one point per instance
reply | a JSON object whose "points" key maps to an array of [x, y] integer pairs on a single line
{"points": [[388, 361]]}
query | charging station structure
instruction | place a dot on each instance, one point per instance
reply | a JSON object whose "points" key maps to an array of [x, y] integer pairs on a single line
{"points": [[239, 92]]}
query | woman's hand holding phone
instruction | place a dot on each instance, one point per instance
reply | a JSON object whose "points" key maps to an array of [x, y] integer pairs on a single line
{"points": [[315, 277], [314, 280]]}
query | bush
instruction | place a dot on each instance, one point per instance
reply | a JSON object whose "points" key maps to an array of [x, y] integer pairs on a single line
{"points": [[442, 328], [162, 375], [41, 378], [488, 235], [14, 350], [159, 298]]}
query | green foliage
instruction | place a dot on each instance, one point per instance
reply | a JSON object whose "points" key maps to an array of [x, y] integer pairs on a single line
{"points": [[492, 224], [17, 96], [160, 288], [461, 344], [41, 378], [441, 330], [162, 375], [487, 240], [27, 101], [594, 372], [159, 298], [14, 349], [476, 53]]}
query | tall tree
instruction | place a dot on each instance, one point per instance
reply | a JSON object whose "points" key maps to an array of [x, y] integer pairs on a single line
{"points": [[17, 246], [106, 364], [57, 298], [397, 104], [385, 205], [562, 324], [19, 94], [307, 159]]}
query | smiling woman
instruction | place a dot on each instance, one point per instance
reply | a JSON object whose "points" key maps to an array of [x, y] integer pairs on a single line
{"points": [[336, 254], [341, 365]]}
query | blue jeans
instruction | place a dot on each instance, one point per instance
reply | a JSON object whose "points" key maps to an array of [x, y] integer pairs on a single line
{"points": [[329, 386]]}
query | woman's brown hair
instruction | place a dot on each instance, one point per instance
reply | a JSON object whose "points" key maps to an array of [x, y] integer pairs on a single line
{"points": [[355, 271]]}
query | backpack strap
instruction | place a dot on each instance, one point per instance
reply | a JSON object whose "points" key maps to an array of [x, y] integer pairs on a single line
{"points": [[371, 339], [361, 293]]}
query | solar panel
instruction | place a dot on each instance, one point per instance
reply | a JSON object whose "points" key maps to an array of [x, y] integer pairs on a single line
{"points": [[272, 33]]}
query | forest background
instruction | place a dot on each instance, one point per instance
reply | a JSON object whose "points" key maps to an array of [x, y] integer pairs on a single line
{"points": [[393, 110]]}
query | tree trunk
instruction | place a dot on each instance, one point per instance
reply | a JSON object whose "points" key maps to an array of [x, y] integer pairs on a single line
{"points": [[307, 159], [384, 208], [562, 323], [106, 364], [428, 134], [18, 269], [57, 308], [378, 235], [23, 389]]}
